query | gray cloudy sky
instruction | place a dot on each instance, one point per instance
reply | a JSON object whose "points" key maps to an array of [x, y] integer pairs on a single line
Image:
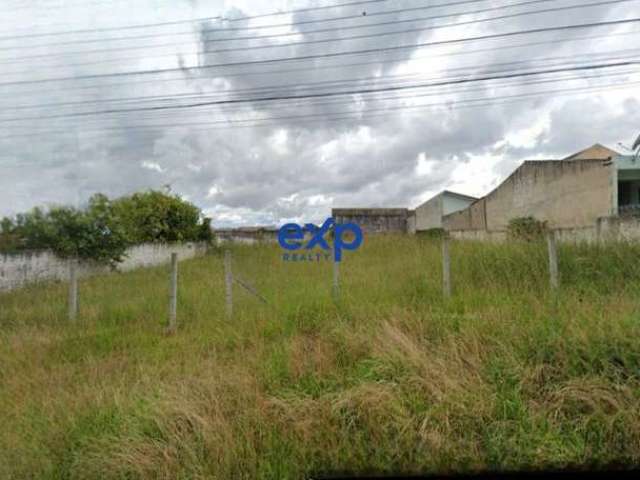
{"points": [[265, 162]]}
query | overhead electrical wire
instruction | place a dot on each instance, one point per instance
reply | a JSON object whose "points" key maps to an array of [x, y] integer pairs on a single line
{"points": [[351, 17], [319, 41], [87, 128], [362, 115], [104, 29], [573, 59], [334, 83], [196, 20], [280, 35], [449, 105], [450, 88], [328, 55], [422, 29], [276, 98], [341, 66]]}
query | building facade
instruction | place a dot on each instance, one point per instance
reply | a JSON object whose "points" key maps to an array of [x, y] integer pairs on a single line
{"points": [[375, 220], [572, 193], [428, 216]]}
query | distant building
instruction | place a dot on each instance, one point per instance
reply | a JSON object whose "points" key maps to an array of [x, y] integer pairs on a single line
{"points": [[374, 220], [567, 194], [429, 215], [581, 191], [249, 235]]}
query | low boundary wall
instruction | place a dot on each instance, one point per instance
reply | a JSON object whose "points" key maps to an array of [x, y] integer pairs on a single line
{"points": [[606, 229], [17, 270]]}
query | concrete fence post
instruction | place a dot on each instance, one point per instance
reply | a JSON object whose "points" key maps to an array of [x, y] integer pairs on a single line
{"points": [[173, 293], [228, 279], [336, 280], [446, 266], [553, 259], [73, 289]]}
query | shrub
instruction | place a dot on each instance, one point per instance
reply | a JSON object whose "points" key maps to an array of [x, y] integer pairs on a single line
{"points": [[90, 234], [526, 228], [103, 231], [432, 233], [152, 217]]}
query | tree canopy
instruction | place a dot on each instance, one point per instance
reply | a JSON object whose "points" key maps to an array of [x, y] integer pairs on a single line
{"points": [[104, 229]]}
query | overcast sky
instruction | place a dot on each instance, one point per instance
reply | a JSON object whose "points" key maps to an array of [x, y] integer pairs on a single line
{"points": [[266, 162]]}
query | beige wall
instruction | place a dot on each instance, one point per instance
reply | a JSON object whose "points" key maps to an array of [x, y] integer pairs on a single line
{"points": [[596, 151], [471, 218], [606, 229], [411, 223], [566, 194], [429, 214], [374, 220]]}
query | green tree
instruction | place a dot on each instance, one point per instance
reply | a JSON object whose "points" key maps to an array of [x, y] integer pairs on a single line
{"points": [[91, 234], [158, 217], [104, 229]]}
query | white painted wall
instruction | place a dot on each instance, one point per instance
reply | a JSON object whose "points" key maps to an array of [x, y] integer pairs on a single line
{"points": [[22, 269], [452, 204], [429, 214]]}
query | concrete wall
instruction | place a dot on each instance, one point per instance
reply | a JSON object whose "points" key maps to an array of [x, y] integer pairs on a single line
{"points": [[595, 151], [479, 235], [374, 220], [473, 217], [248, 236], [618, 229], [411, 223], [22, 269], [454, 203], [429, 214], [606, 229], [566, 194]]}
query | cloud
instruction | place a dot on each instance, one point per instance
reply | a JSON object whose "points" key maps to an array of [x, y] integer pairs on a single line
{"points": [[264, 162]]}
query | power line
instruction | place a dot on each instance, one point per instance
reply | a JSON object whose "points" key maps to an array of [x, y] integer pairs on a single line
{"points": [[433, 91], [86, 3], [326, 83], [274, 98], [300, 10], [446, 104], [292, 24], [327, 40], [327, 55], [378, 61], [345, 115], [105, 29], [422, 29], [352, 17], [178, 22]]}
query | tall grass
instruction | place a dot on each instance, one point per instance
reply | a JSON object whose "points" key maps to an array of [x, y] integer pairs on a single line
{"points": [[390, 378]]}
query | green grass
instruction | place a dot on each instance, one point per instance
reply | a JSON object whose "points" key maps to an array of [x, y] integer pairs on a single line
{"points": [[390, 378]]}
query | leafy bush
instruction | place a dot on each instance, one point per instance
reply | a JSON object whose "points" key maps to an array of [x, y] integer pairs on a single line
{"points": [[103, 231], [526, 228], [90, 234], [157, 217], [431, 233]]}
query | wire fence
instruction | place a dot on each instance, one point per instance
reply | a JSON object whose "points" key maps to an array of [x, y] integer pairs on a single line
{"points": [[253, 275]]}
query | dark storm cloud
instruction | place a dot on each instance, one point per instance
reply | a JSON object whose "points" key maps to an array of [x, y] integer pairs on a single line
{"points": [[298, 169]]}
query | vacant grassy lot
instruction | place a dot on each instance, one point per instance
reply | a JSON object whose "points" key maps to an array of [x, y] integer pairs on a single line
{"points": [[391, 378]]}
